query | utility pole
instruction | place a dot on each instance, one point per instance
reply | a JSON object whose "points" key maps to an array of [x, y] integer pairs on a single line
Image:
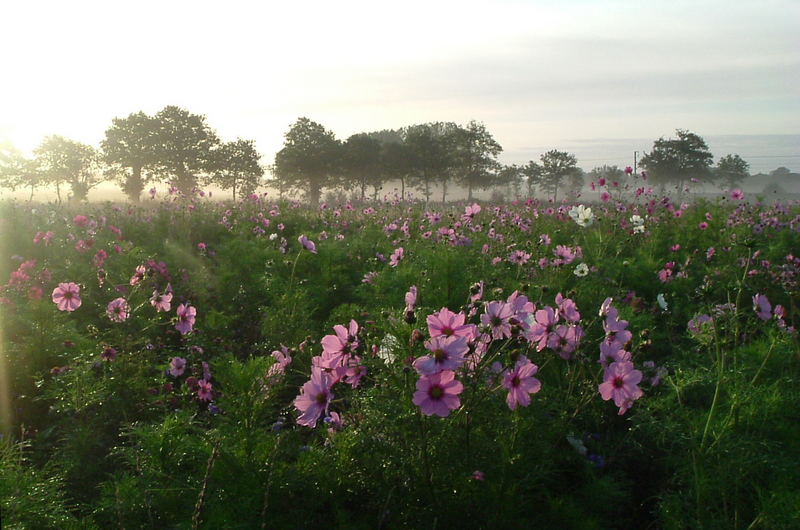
{"points": [[635, 160]]}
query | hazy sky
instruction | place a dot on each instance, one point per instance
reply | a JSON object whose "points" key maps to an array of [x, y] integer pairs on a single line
{"points": [[539, 74]]}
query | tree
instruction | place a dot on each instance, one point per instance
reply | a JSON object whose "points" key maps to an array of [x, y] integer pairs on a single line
{"points": [[309, 158], [510, 176], [475, 155], [236, 165], [610, 173], [183, 147], [428, 155], [395, 163], [16, 170], [129, 150], [731, 170], [678, 160], [360, 160], [533, 175], [62, 161], [556, 166]]}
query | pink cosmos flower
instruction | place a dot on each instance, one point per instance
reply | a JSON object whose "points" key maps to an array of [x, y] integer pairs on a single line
{"points": [[564, 340], [186, 318], [67, 296], [138, 275], [762, 307], [737, 194], [447, 353], [621, 383], [497, 317], [612, 353], [396, 257], [307, 243], [177, 366], [521, 383], [519, 257], [628, 170], [81, 220], [118, 310], [314, 398], [445, 322], [162, 302], [438, 394], [616, 331], [411, 298], [567, 309], [545, 321], [204, 390], [471, 211], [335, 347]]}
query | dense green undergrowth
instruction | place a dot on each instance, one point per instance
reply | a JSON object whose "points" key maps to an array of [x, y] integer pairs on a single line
{"points": [[96, 438]]}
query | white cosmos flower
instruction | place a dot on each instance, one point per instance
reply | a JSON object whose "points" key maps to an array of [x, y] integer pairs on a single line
{"points": [[662, 303], [638, 224], [581, 270], [582, 215], [388, 346]]}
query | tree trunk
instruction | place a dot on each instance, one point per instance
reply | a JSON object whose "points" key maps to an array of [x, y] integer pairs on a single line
{"points": [[134, 185], [185, 181], [444, 191], [58, 192], [403, 188], [234, 190], [314, 194]]}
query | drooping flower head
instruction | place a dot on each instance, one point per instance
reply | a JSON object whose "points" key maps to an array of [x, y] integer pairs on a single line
{"points": [[437, 394], [67, 296], [308, 244], [204, 390], [762, 307]]}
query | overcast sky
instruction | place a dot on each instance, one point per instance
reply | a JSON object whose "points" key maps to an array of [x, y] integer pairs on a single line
{"points": [[539, 74]]}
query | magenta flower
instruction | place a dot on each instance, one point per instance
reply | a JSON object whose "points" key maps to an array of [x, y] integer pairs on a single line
{"points": [[521, 383], [447, 353], [308, 244], [445, 322], [314, 398], [762, 307], [438, 394], [186, 318], [498, 318], [162, 302], [118, 310], [621, 384], [616, 331], [67, 296], [177, 366], [204, 390], [612, 353], [737, 194]]}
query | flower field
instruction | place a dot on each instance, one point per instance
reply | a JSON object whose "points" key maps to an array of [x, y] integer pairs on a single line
{"points": [[185, 363]]}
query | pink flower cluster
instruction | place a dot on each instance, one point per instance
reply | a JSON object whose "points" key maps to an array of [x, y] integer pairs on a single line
{"points": [[339, 362], [620, 380]]}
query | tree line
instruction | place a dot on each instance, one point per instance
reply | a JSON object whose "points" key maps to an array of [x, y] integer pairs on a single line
{"points": [[180, 148]]}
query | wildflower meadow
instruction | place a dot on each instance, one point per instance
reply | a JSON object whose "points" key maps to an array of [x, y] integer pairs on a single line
{"points": [[626, 362]]}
